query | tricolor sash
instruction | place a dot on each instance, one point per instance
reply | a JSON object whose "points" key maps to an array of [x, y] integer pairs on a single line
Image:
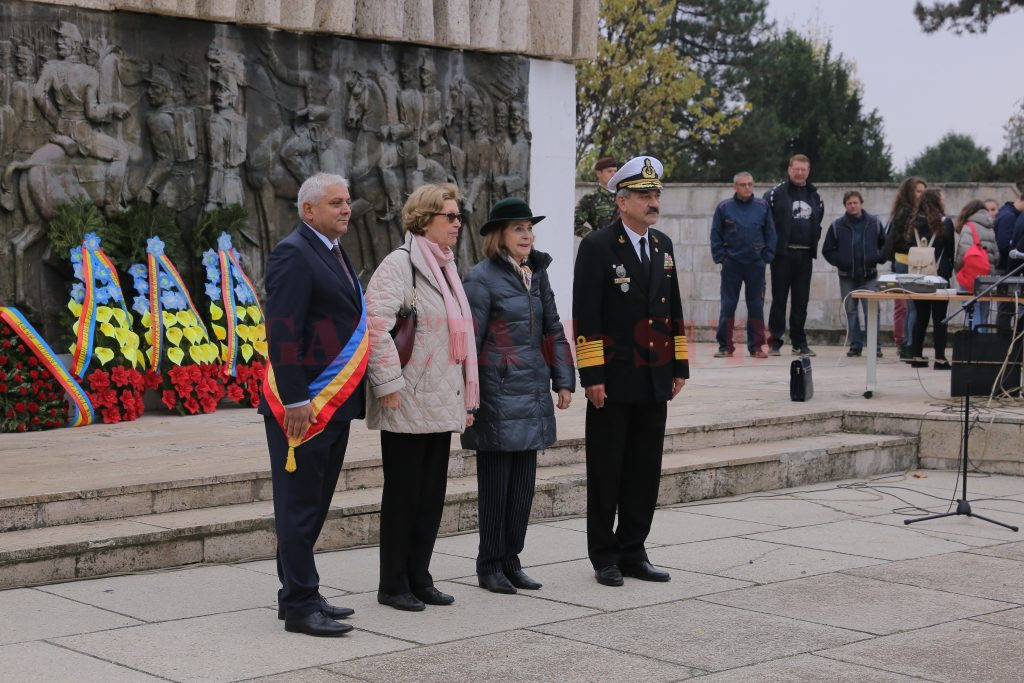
{"points": [[81, 412], [328, 391]]}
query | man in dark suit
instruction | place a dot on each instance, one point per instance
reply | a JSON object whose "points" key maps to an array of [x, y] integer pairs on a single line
{"points": [[315, 326], [632, 356]]}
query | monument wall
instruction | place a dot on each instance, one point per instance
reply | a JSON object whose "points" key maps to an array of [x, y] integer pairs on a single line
{"points": [[122, 109], [686, 216]]}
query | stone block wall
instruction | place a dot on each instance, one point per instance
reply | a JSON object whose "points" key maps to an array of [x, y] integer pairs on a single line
{"points": [[686, 211], [546, 29]]}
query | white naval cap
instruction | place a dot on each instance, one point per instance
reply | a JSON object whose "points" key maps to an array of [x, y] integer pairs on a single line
{"points": [[639, 173]]}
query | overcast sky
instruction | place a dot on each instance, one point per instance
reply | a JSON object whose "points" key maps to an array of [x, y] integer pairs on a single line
{"points": [[923, 85]]}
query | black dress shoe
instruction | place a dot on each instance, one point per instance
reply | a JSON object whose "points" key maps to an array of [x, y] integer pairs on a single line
{"points": [[644, 571], [317, 624], [432, 596], [609, 576], [406, 602], [327, 608], [496, 583], [519, 579]]}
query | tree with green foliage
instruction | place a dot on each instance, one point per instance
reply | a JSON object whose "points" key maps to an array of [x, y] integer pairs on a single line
{"points": [[631, 99], [1009, 164], [803, 100], [971, 16], [955, 158]]}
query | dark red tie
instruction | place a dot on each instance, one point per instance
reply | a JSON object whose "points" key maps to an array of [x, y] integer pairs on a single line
{"points": [[336, 250]]}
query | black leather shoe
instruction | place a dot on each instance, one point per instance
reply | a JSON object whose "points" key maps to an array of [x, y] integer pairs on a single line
{"points": [[645, 571], [609, 576], [317, 624], [407, 602], [519, 579], [496, 583], [432, 596], [328, 609]]}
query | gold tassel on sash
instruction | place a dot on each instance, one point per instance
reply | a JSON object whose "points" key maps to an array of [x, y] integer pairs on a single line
{"points": [[289, 464]]}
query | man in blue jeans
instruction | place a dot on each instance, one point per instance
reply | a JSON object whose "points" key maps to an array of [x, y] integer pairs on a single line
{"points": [[743, 242], [853, 245]]}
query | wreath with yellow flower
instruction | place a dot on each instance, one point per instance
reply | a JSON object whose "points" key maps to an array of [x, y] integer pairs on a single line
{"points": [[105, 357], [178, 343], [237, 323]]}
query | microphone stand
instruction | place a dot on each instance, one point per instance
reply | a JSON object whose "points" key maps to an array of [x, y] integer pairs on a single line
{"points": [[963, 507]]}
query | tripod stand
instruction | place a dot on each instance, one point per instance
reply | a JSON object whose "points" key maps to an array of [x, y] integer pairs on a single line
{"points": [[963, 507]]}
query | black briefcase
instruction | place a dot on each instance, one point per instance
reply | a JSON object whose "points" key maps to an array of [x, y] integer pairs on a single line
{"points": [[801, 388]]}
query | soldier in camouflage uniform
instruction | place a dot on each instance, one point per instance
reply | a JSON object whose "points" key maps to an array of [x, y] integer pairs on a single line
{"points": [[597, 209]]}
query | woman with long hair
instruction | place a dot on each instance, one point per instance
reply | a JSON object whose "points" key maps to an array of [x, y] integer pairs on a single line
{"points": [[929, 225], [976, 214], [903, 313]]}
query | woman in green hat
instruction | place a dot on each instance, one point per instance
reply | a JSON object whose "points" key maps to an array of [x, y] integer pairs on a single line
{"points": [[523, 356]]}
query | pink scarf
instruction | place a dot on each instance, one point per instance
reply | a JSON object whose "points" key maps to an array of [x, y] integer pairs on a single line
{"points": [[461, 339]]}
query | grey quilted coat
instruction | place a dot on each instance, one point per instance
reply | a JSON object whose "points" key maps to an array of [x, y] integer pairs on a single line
{"points": [[523, 356], [432, 386]]}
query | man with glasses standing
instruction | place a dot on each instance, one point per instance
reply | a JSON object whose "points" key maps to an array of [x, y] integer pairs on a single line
{"points": [[632, 357], [742, 242]]}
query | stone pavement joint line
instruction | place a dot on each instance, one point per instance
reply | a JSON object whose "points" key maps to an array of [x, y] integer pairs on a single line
{"points": [[761, 590]]}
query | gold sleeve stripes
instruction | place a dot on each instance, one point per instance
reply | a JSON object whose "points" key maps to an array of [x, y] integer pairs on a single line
{"points": [[682, 349], [589, 353]]}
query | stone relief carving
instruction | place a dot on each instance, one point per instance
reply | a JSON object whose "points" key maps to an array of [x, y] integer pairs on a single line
{"points": [[122, 109]]}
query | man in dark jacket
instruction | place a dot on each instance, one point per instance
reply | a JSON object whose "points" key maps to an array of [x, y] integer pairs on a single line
{"points": [[1006, 219], [633, 359], [742, 242], [853, 245], [797, 209]]}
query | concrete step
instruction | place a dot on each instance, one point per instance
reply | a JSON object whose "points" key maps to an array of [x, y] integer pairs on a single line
{"points": [[362, 469], [245, 530]]}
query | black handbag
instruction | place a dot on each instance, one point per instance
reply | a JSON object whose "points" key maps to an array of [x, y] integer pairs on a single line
{"points": [[801, 388], [404, 330]]}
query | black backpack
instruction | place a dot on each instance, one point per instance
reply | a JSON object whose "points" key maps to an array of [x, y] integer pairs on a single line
{"points": [[801, 388]]}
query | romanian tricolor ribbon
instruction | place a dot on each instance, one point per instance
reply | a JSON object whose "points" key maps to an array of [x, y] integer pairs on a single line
{"points": [[86, 336], [156, 321], [328, 391], [227, 297], [81, 412]]}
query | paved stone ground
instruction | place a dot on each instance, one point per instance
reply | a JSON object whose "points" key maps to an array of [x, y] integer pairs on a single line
{"points": [[814, 583]]}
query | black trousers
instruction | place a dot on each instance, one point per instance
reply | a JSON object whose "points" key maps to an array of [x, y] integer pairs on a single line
{"points": [[415, 481], [791, 275], [301, 501], [936, 310], [624, 446], [505, 480]]}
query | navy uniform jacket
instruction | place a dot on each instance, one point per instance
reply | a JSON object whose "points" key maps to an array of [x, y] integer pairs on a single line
{"points": [[312, 311], [633, 341]]}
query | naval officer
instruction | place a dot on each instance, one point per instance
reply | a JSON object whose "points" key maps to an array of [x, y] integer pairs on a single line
{"points": [[632, 356]]}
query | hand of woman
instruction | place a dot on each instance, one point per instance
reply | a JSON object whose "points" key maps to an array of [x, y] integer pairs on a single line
{"points": [[469, 420], [564, 399], [391, 401]]}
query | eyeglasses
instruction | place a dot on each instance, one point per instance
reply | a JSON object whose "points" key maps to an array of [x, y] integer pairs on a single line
{"points": [[452, 217]]}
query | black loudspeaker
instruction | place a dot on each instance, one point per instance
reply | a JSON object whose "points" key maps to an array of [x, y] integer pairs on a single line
{"points": [[977, 360]]}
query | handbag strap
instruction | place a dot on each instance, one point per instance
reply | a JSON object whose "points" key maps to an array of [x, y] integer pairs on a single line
{"points": [[413, 269], [974, 231], [919, 240]]}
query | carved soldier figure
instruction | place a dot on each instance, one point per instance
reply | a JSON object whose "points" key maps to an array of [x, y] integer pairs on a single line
{"points": [[479, 174], [321, 89], [172, 134], [519, 156], [67, 93], [31, 128], [226, 135], [410, 120], [431, 138], [389, 88], [7, 119]]}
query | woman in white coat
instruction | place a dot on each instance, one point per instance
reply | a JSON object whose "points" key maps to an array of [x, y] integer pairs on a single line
{"points": [[419, 406]]}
